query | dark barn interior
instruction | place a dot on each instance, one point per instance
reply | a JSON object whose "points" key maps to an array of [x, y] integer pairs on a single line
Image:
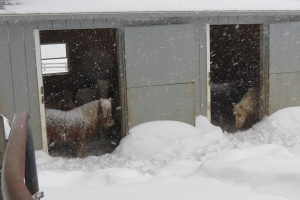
{"points": [[92, 56], [235, 68]]}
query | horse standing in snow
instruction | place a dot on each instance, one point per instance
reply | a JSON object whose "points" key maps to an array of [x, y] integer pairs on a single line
{"points": [[79, 124], [246, 108]]}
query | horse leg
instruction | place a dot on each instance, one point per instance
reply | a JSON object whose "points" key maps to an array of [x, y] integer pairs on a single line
{"points": [[80, 150]]}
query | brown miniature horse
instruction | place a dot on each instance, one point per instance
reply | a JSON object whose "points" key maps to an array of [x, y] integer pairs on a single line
{"points": [[79, 124], [246, 108]]}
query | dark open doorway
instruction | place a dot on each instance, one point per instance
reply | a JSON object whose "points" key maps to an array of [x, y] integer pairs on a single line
{"points": [[91, 58], [235, 54]]}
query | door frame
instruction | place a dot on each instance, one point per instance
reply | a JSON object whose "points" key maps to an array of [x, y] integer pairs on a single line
{"points": [[121, 77], [208, 73], [37, 43], [263, 70]]}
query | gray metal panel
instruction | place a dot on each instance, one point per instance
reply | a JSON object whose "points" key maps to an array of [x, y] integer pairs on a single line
{"points": [[59, 24], [284, 91], [114, 23], [33, 84], [285, 47], [158, 55], [281, 15], [100, 23], [87, 23], [19, 67], [203, 68], [213, 20], [45, 25], [168, 102], [197, 47], [7, 107], [73, 24], [223, 18], [250, 19], [233, 18]]}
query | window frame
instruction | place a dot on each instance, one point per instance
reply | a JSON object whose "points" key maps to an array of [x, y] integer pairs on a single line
{"points": [[66, 63]]}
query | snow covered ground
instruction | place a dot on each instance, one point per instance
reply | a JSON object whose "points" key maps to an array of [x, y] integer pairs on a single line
{"points": [[168, 160]]}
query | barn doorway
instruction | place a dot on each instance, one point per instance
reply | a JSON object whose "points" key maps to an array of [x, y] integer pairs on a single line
{"points": [[88, 62], [235, 67]]}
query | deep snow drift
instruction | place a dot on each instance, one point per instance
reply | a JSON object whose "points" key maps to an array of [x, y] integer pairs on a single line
{"points": [[172, 160]]}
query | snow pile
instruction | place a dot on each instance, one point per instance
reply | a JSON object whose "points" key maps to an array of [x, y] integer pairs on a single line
{"points": [[272, 162], [280, 128], [88, 6], [171, 140], [264, 168], [172, 160]]}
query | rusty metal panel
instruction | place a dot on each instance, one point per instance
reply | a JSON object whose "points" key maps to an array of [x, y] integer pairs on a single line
{"points": [[284, 91], [165, 102], [158, 55]]}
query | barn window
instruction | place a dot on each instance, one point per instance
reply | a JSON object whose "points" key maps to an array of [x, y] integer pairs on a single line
{"points": [[54, 58]]}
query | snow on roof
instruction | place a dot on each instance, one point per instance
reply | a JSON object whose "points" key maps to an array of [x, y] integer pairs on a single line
{"points": [[90, 6]]}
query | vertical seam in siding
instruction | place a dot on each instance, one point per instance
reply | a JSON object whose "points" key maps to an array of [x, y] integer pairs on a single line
{"points": [[10, 58], [66, 24], [52, 24], [93, 20], [80, 24], [26, 65]]}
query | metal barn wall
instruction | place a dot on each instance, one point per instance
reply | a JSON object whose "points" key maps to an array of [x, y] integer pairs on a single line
{"points": [[18, 78], [7, 107], [161, 73], [284, 80]]}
